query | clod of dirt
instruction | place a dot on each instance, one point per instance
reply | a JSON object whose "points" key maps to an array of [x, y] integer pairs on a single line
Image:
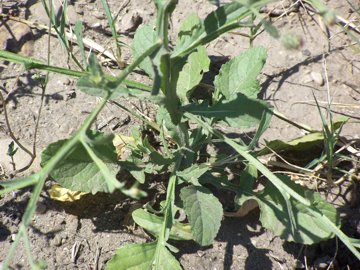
{"points": [[14, 36], [41, 208], [98, 14], [129, 22], [56, 241], [306, 52]]}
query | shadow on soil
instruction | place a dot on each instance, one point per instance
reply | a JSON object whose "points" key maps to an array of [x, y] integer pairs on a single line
{"points": [[240, 232]]}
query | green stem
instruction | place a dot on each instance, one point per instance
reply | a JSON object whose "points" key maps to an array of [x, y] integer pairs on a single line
{"points": [[31, 63], [162, 21], [168, 214]]}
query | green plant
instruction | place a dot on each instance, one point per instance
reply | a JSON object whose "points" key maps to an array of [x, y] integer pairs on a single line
{"points": [[185, 124]]}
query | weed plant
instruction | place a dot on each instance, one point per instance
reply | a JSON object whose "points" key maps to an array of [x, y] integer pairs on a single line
{"points": [[185, 125]]}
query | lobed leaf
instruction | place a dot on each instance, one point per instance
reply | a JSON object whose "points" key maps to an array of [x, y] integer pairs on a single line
{"points": [[241, 111], [225, 18], [274, 215], [204, 212]]}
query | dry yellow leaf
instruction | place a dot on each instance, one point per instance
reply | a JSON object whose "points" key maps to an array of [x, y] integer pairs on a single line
{"points": [[120, 142], [59, 193]]}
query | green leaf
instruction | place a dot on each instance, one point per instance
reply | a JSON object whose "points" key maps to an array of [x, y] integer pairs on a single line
{"points": [[270, 28], [193, 173], [78, 30], [96, 74], [286, 191], [166, 260], [302, 144], [12, 149], [153, 224], [141, 257], [138, 175], [78, 171], [190, 27], [216, 23], [239, 112], [239, 74], [274, 216], [191, 74], [134, 256], [204, 212], [145, 37], [97, 84], [248, 177]]}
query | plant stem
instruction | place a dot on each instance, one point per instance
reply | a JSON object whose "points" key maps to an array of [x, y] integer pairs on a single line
{"points": [[31, 63]]}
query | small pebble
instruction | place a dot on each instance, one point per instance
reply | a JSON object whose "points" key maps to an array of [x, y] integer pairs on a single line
{"points": [[13, 237], [200, 253], [317, 78], [96, 25], [129, 22], [322, 263]]}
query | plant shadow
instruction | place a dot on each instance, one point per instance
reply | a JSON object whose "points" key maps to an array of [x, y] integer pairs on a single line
{"points": [[238, 245]]}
